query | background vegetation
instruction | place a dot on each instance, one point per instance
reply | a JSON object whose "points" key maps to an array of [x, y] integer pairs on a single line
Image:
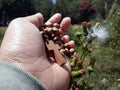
{"points": [[106, 75]]}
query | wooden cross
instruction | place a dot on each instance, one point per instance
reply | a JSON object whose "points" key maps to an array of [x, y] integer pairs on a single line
{"points": [[51, 46]]}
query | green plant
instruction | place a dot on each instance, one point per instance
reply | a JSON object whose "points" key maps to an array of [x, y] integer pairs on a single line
{"points": [[82, 63], [2, 31]]}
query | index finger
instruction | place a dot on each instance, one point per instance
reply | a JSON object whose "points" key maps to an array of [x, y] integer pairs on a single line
{"points": [[55, 18]]}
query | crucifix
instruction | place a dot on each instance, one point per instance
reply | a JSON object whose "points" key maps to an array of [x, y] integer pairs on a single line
{"points": [[53, 47]]}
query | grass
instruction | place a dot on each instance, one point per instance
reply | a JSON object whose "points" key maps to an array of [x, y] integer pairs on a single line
{"points": [[2, 31], [107, 69]]}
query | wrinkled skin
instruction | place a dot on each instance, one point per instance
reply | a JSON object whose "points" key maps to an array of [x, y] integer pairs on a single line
{"points": [[23, 46]]}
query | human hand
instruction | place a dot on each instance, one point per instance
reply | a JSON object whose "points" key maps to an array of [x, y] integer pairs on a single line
{"points": [[23, 45]]}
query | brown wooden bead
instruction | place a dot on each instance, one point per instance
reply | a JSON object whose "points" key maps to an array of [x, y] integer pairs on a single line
{"points": [[72, 50], [62, 51], [66, 45], [55, 29], [67, 51], [56, 25], [49, 31]]}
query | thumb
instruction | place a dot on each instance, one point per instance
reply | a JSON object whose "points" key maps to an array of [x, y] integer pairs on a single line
{"points": [[36, 19]]}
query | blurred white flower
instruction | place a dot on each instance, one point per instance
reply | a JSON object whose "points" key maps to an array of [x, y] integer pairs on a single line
{"points": [[118, 80], [100, 33], [103, 80]]}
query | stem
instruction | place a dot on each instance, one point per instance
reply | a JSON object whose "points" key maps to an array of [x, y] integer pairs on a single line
{"points": [[82, 47]]}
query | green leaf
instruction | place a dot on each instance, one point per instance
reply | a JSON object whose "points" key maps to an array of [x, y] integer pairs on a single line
{"points": [[73, 62], [75, 73], [90, 68], [78, 34]]}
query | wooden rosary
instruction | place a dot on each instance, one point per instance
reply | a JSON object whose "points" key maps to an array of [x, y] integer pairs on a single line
{"points": [[55, 46]]}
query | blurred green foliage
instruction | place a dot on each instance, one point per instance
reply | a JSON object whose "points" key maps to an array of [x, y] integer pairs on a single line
{"points": [[10, 9], [2, 32]]}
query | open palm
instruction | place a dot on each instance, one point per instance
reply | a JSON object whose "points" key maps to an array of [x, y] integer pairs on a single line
{"points": [[23, 46]]}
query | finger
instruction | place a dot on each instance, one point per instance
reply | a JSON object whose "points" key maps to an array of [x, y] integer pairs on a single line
{"points": [[66, 38], [54, 19], [65, 25], [36, 19]]}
